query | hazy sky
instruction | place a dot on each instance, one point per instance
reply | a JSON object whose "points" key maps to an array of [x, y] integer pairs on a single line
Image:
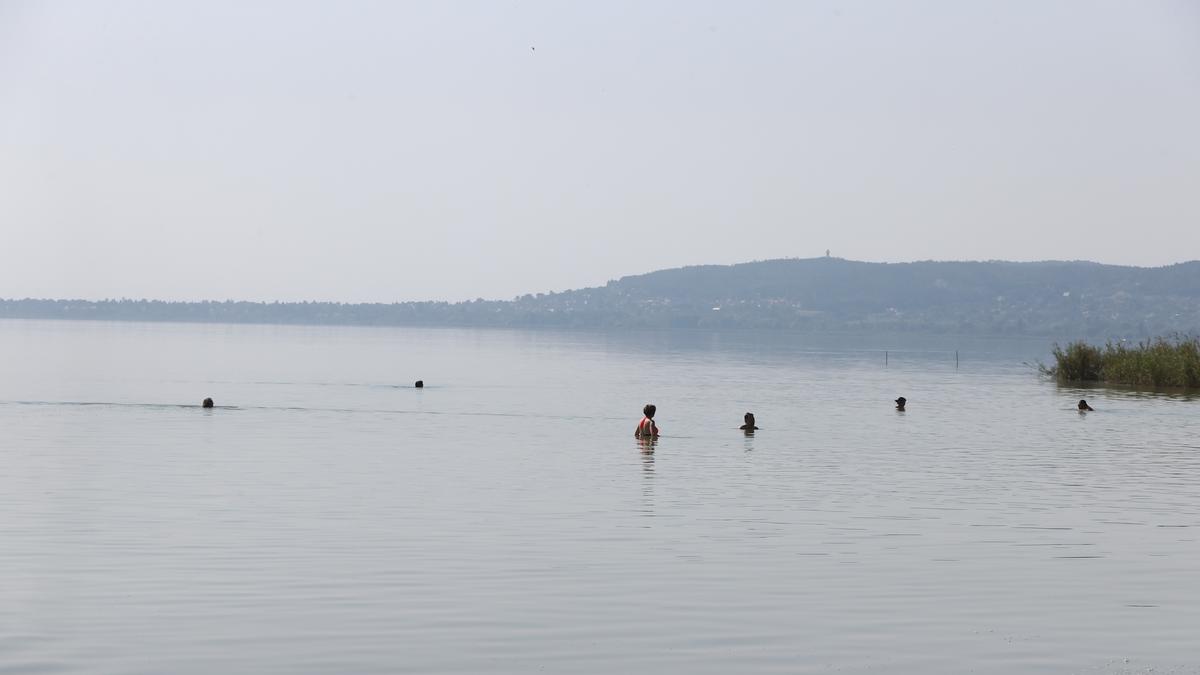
{"points": [[379, 151]]}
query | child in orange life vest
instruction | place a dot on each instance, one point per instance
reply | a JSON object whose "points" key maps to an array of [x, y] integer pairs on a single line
{"points": [[647, 428]]}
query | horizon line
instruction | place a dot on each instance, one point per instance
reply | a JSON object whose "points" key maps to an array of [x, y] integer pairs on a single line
{"points": [[584, 288]]}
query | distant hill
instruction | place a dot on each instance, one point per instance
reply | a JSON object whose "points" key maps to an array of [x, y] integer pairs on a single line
{"points": [[1077, 299]]}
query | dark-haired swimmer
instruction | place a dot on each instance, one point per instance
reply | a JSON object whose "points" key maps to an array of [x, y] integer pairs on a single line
{"points": [[207, 403], [1083, 406], [748, 427], [647, 428], [900, 403]]}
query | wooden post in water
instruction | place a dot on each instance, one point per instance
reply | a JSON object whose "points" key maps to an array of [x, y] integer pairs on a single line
{"points": [[885, 358], [956, 359]]}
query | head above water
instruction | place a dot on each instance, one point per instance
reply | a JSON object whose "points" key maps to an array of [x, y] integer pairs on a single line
{"points": [[419, 384], [1083, 405], [649, 409], [207, 403], [900, 403], [749, 418]]}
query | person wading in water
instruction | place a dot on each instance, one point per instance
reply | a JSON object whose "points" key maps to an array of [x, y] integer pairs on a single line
{"points": [[647, 428]]}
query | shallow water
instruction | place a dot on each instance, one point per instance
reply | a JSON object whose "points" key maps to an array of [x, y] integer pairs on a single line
{"points": [[328, 517]]}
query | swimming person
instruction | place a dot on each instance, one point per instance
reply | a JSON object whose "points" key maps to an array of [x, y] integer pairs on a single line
{"points": [[1083, 406], [419, 384], [207, 403], [748, 427], [647, 428], [900, 403]]}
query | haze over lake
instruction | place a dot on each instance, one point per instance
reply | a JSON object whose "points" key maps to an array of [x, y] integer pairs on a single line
{"points": [[552, 214], [328, 517]]}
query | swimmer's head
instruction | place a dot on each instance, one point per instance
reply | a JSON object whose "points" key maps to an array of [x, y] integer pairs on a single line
{"points": [[208, 403], [649, 410]]}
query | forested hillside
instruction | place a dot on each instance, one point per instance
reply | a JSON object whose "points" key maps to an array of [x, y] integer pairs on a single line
{"points": [[995, 298]]}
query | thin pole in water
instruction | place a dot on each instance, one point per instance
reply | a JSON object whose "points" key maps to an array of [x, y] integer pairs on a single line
{"points": [[885, 359], [956, 359]]}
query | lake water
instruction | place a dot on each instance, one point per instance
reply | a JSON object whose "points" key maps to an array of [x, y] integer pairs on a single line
{"points": [[333, 519]]}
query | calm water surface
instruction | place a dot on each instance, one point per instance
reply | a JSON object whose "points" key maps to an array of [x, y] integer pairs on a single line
{"points": [[503, 519]]}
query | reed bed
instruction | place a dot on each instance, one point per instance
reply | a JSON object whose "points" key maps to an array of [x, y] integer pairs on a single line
{"points": [[1161, 362]]}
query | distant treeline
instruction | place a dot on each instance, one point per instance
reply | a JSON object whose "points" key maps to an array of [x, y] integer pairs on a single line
{"points": [[231, 311], [1081, 299]]}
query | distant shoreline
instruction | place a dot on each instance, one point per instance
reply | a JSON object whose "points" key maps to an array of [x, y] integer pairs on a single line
{"points": [[1079, 300]]}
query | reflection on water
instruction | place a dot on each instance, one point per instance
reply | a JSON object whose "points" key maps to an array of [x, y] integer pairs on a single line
{"points": [[747, 440], [645, 448], [646, 452], [497, 522], [1083, 389]]}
